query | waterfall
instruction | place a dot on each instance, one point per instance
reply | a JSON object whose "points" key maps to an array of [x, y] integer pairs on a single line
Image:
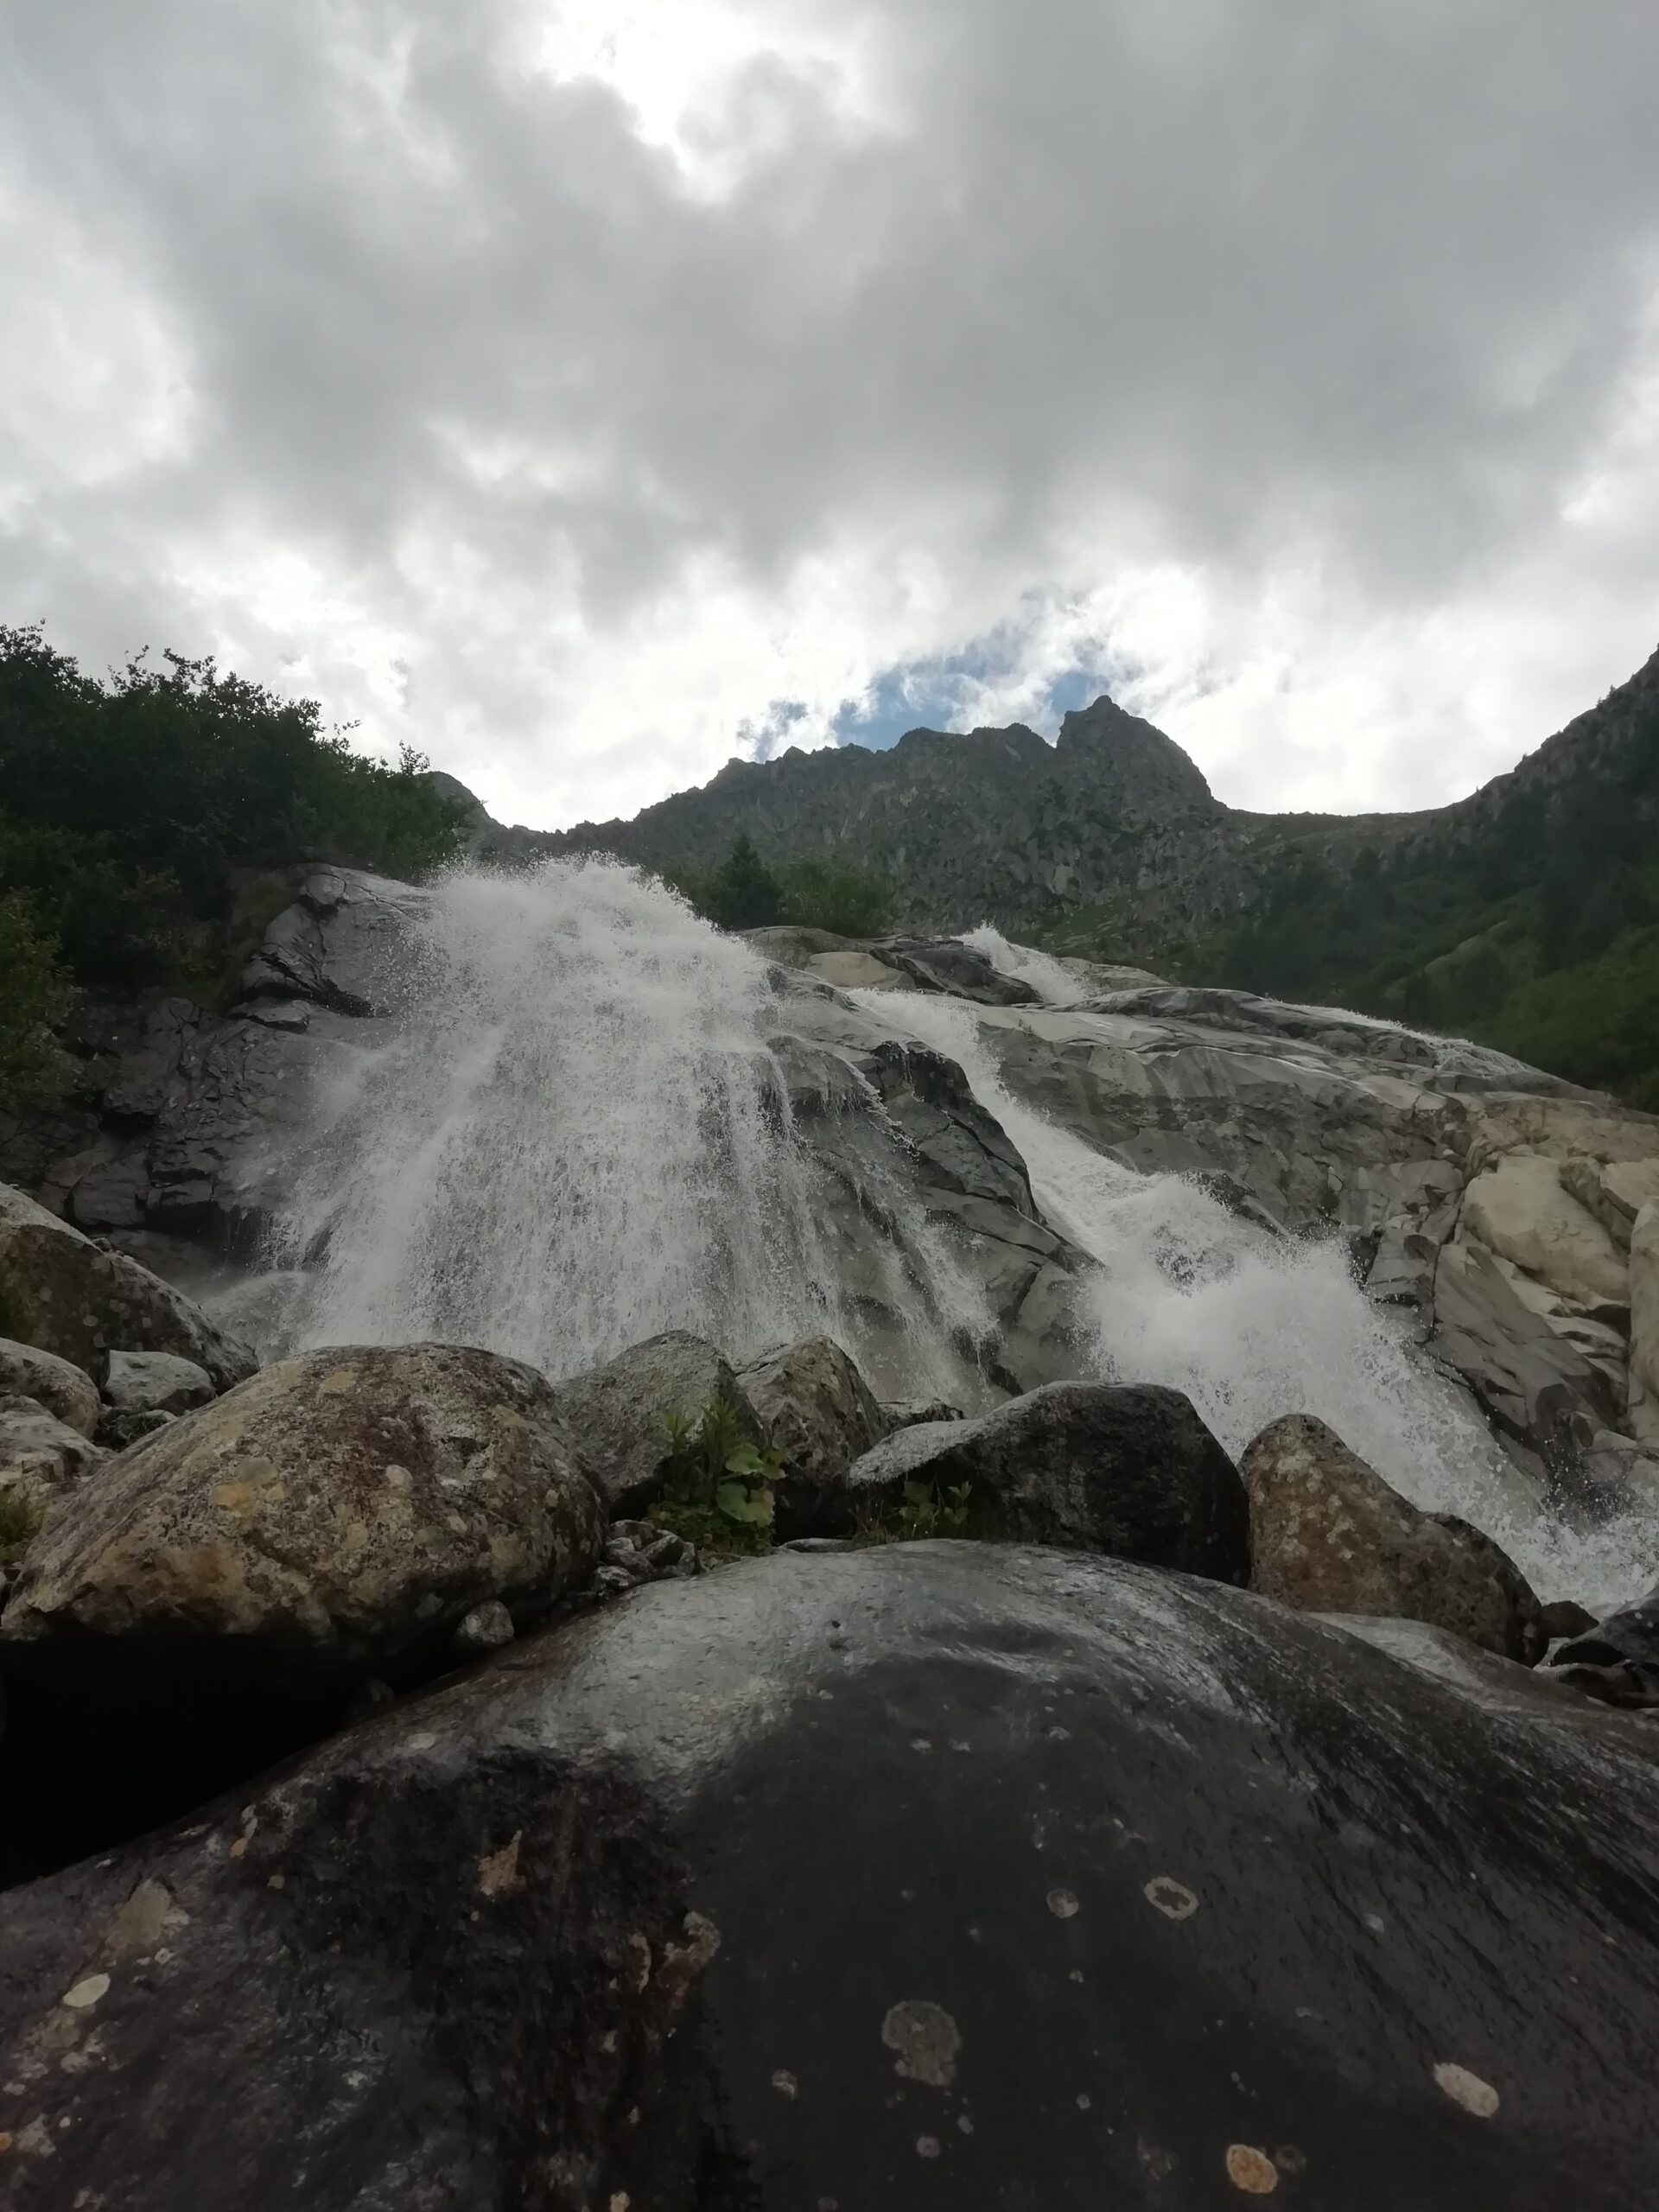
{"points": [[573, 1134], [1252, 1326], [574, 1138]]}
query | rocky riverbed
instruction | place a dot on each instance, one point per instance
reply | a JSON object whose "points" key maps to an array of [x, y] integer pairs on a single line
{"points": [[980, 1765]]}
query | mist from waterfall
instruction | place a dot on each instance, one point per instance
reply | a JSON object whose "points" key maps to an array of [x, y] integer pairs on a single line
{"points": [[574, 1137]]}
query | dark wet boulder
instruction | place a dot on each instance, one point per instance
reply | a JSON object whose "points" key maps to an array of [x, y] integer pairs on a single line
{"points": [[1564, 1619], [620, 1413], [815, 1409], [941, 1877], [1615, 1659], [911, 1413], [64, 1293], [210, 1597], [1329, 1535], [1131, 1471]]}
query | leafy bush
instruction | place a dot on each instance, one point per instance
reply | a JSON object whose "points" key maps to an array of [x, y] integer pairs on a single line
{"points": [[745, 893], [19, 1524], [719, 1492], [926, 1510], [125, 805], [827, 894], [34, 995]]}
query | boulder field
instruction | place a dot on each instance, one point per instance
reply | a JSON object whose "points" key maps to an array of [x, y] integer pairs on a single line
{"points": [[412, 1815], [702, 1783]]}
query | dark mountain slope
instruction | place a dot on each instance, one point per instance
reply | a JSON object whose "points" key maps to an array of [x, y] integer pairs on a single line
{"points": [[1527, 914]]}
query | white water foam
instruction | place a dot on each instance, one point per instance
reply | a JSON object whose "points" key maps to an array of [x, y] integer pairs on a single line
{"points": [[1026, 965], [1252, 1326], [575, 1138], [575, 1135]]}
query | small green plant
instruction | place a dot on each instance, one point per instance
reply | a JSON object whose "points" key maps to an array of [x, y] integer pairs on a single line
{"points": [[34, 996], [19, 1525], [719, 1491], [926, 1510]]}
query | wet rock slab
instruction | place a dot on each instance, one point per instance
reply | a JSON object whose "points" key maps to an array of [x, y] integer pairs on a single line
{"points": [[940, 1876]]}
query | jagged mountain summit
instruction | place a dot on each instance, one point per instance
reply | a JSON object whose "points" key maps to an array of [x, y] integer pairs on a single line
{"points": [[1110, 844], [1113, 815]]}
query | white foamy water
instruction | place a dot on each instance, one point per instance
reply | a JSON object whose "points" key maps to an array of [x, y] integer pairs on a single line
{"points": [[1040, 970], [574, 1134], [1252, 1326], [575, 1139]]}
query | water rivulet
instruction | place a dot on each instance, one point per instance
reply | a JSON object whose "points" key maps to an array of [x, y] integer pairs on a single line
{"points": [[577, 1130]]}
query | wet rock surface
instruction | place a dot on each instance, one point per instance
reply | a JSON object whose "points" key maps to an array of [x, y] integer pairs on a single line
{"points": [[205, 1604], [64, 1390], [1615, 1659], [1128, 1470], [815, 1409], [939, 1876], [1328, 1534], [62, 1294], [620, 1413]]}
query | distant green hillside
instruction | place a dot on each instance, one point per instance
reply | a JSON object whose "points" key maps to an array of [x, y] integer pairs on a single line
{"points": [[1529, 921]]}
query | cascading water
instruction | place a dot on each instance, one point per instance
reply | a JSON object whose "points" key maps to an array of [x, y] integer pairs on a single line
{"points": [[574, 1138], [573, 1135], [1251, 1326], [1057, 986]]}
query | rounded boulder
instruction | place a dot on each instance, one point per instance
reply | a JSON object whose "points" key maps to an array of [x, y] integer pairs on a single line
{"points": [[333, 1509]]}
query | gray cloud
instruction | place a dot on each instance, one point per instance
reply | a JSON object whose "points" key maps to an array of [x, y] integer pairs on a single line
{"points": [[386, 362]]}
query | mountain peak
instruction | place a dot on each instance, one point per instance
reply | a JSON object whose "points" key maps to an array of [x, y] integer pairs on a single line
{"points": [[1128, 761]]}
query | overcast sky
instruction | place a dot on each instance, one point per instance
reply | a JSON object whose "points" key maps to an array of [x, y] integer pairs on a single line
{"points": [[587, 392]]}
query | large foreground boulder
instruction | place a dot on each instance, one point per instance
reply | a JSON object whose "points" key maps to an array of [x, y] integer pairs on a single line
{"points": [[64, 1293], [943, 1877], [1329, 1535], [1131, 1471], [332, 1511], [214, 1588]]}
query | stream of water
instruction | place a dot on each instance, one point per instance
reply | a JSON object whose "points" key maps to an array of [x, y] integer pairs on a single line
{"points": [[575, 1136]]}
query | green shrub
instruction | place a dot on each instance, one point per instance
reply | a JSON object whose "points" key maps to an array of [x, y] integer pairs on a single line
{"points": [[719, 1492], [926, 1510], [19, 1525], [34, 996], [826, 894], [125, 805], [745, 892]]}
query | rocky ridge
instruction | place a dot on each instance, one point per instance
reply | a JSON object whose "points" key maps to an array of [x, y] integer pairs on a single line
{"points": [[1112, 818]]}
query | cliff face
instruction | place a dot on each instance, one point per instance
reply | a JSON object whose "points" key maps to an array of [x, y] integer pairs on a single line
{"points": [[996, 824]]}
